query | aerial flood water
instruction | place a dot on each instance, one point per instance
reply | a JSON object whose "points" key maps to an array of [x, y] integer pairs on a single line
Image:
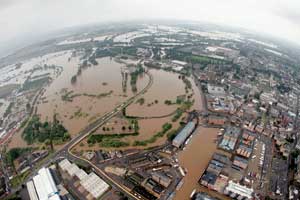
{"points": [[105, 79], [194, 159]]}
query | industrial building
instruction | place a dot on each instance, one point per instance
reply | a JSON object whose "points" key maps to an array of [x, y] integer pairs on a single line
{"points": [[213, 178], [31, 191], [90, 183], [235, 190], [183, 134], [215, 90], [240, 163], [94, 185], [230, 138], [162, 179], [42, 187]]}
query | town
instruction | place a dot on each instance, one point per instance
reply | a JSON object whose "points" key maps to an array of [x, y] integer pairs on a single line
{"points": [[186, 113]]}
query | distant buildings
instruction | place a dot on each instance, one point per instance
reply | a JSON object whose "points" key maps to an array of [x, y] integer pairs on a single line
{"points": [[215, 90]]}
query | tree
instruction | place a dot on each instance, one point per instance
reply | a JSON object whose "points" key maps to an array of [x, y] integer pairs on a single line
{"points": [[73, 79], [28, 107]]}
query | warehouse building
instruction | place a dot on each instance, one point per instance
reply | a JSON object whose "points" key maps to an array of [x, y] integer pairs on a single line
{"points": [[43, 187], [90, 183], [238, 191], [230, 138], [183, 134], [94, 185], [162, 179], [72, 169], [31, 191]]}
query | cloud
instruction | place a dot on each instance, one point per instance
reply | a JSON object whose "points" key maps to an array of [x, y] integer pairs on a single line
{"points": [[276, 17]]}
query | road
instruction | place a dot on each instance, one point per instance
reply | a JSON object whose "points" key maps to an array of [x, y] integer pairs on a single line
{"points": [[65, 151]]}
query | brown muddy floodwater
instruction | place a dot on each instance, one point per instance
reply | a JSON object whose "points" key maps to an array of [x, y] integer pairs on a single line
{"points": [[166, 86], [104, 78], [195, 158]]}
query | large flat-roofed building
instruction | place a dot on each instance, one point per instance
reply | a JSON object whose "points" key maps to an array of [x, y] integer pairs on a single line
{"points": [[31, 191], [238, 191], [215, 90], [230, 138], [43, 186], [90, 183], [72, 169], [94, 185], [183, 134], [161, 178]]}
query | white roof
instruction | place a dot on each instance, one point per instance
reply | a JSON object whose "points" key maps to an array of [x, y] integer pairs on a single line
{"points": [[31, 191], [72, 170], [239, 189], [94, 185], [44, 184], [178, 62], [64, 164], [81, 174]]}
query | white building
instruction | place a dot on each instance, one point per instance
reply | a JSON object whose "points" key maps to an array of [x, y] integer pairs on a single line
{"points": [[92, 183], [215, 90], [43, 187], [31, 191], [239, 191]]}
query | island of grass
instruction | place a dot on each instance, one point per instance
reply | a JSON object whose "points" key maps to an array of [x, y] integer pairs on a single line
{"points": [[114, 139], [69, 95], [79, 114]]}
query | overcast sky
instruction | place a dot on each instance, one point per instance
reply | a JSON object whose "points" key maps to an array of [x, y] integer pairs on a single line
{"points": [[277, 17]]}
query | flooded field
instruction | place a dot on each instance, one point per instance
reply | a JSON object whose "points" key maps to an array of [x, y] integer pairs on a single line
{"points": [[166, 86], [97, 90], [195, 159]]}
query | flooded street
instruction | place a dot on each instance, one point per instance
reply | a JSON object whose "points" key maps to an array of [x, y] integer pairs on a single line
{"points": [[195, 158]]}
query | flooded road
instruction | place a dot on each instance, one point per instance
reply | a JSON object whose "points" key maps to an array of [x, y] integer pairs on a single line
{"points": [[195, 158]]}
